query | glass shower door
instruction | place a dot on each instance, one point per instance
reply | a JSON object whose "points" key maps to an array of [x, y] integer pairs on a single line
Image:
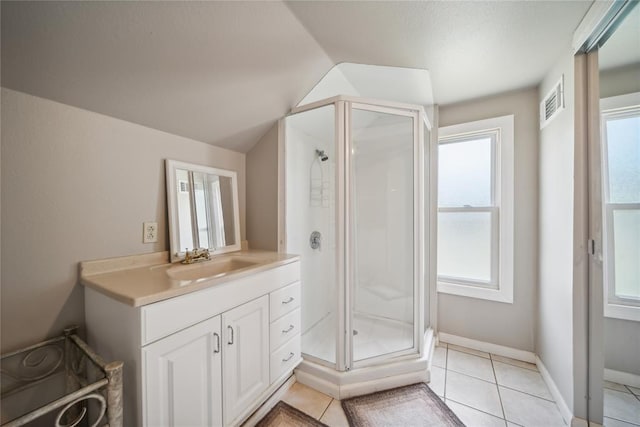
{"points": [[382, 152], [310, 157]]}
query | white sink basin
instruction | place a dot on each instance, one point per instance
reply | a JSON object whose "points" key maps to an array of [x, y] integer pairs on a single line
{"points": [[207, 269]]}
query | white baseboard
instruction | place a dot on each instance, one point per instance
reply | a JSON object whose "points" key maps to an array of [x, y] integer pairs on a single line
{"points": [[566, 413], [620, 377], [500, 350], [270, 403]]}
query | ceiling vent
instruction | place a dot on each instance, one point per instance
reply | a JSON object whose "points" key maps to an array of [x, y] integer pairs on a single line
{"points": [[552, 103]]}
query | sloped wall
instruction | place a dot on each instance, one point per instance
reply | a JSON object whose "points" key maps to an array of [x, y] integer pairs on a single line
{"points": [[76, 186]]}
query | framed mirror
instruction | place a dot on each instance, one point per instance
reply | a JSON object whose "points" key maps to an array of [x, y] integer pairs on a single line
{"points": [[203, 209]]}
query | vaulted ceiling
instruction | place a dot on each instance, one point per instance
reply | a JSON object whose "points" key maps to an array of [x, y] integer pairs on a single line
{"points": [[224, 72]]}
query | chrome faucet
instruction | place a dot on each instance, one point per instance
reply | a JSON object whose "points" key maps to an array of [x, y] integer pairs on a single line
{"points": [[196, 255]]}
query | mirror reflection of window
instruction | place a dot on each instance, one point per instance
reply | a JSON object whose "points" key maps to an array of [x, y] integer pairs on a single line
{"points": [[203, 214], [203, 209], [226, 224], [184, 209]]}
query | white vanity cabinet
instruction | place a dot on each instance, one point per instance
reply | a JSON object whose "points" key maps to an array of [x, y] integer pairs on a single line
{"points": [[183, 377], [209, 357], [245, 358]]}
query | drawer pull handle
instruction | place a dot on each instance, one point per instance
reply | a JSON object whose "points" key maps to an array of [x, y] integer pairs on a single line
{"points": [[230, 342], [288, 301], [289, 329], [288, 358], [217, 337]]}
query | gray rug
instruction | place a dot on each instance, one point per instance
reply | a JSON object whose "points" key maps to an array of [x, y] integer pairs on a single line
{"points": [[412, 405], [283, 415]]}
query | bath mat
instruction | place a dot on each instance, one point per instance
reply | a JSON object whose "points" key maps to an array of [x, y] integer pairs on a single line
{"points": [[412, 405], [283, 415]]}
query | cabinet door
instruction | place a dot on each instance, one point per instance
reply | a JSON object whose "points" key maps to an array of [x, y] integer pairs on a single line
{"points": [[245, 356], [182, 377]]}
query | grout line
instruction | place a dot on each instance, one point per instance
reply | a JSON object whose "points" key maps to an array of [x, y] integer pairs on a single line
{"points": [[495, 377], [618, 419], [479, 410], [474, 377], [532, 369], [528, 394], [446, 369], [631, 391], [325, 409]]}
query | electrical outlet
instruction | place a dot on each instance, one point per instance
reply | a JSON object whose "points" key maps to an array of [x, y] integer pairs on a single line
{"points": [[149, 232]]}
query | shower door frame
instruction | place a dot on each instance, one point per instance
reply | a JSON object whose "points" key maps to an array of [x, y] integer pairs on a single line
{"points": [[343, 256], [416, 114]]}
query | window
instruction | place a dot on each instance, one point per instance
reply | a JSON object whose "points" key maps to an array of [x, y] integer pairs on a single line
{"points": [[621, 205], [475, 209]]}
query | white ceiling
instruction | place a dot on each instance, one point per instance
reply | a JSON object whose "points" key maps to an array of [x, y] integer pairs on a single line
{"points": [[223, 72]]}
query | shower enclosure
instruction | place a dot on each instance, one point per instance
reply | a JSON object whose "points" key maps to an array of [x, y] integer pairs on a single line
{"points": [[354, 209]]}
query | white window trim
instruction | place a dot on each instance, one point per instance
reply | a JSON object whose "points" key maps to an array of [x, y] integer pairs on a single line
{"points": [[503, 199], [613, 307]]}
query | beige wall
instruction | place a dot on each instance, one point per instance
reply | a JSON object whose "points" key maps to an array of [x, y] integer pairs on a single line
{"points": [[262, 192], [77, 185], [509, 325], [618, 81], [554, 329]]}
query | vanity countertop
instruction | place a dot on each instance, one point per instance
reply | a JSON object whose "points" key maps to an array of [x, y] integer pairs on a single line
{"points": [[145, 279]]}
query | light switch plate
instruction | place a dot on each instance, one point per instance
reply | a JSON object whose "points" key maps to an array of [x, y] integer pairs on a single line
{"points": [[150, 232]]}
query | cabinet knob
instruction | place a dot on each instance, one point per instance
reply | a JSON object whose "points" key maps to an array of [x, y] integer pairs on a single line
{"points": [[288, 301], [217, 337], [231, 336], [289, 329], [288, 358]]}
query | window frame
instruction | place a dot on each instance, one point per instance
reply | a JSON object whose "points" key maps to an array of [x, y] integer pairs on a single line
{"points": [[613, 108], [500, 286]]}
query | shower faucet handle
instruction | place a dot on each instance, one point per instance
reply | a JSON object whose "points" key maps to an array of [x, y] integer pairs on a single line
{"points": [[315, 239]]}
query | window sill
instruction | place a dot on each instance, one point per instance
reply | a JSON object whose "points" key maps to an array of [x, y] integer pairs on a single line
{"points": [[624, 312], [500, 295]]}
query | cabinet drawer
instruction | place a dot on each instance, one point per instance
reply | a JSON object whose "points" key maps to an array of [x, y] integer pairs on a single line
{"points": [[166, 317], [285, 358], [284, 300], [284, 329]]}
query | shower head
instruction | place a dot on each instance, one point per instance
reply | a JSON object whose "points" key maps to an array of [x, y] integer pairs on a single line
{"points": [[321, 155]]}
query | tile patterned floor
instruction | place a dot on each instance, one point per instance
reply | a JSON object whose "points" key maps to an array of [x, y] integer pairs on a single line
{"points": [[482, 389], [485, 390], [621, 405]]}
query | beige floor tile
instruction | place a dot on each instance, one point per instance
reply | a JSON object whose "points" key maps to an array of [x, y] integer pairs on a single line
{"points": [[610, 422], [307, 400], [615, 386], [469, 350], [473, 392], [334, 415], [470, 364], [528, 410], [621, 406], [521, 379], [437, 380], [472, 417], [440, 357], [514, 362]]}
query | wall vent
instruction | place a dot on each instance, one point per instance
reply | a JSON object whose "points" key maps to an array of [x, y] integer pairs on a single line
{"points": [[552, 103]]}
